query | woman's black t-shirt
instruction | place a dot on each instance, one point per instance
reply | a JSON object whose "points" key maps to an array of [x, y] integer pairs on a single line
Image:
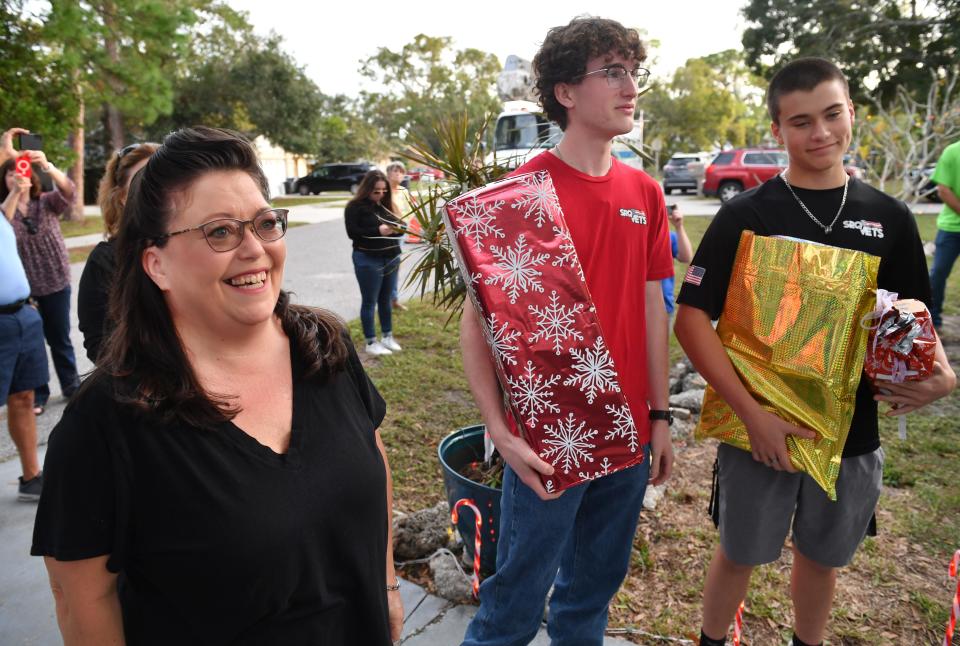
{"points": [[870, 221], [217, 539]]}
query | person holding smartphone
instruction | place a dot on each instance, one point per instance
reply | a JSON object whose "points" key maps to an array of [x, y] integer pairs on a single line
{"points": [[35, 216], [23, 360]]}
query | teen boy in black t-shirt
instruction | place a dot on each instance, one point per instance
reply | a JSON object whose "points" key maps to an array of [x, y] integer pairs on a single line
{"points": [[813, 199]]}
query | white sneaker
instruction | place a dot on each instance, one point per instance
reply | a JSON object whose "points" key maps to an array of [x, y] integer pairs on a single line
{"points": [[390, 344], [377, 349]]}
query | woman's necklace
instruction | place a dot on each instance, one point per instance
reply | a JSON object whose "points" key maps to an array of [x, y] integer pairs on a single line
{"points": [[843, 201]]}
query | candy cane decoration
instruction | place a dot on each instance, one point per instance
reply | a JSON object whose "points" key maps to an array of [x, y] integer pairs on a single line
{"points": [[476, 539], [955, 610], [738, 626]]}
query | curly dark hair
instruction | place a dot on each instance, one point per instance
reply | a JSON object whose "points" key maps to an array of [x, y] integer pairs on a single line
{"points": [[144, 354], [565, 51]]}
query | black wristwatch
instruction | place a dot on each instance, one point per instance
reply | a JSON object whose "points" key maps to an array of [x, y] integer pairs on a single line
{"points": [[662, 414]]}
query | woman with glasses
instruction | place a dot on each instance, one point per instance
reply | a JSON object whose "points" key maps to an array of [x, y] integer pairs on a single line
{"points": [[35, 215], [372, 226], [224, 457], [97, 276]]}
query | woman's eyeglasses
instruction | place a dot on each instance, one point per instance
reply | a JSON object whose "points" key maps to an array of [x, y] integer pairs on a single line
{"points": [[226, 234]]}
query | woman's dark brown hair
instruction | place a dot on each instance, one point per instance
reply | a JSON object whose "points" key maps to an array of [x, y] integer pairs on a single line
{"points": [[368, 183], [113, 185], [35, 186], [144, 354], [566, 50]]}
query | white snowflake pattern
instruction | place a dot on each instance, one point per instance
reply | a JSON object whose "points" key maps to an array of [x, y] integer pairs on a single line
{"points": [[477, 220], [594, 371], [605, 469], [569, 443], [537, 198], [532, 394], [623, 426], [517, 264], [501, 339], [568, 253], [555, 322]]}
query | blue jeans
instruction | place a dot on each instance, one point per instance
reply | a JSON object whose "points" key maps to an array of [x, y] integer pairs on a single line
{"points": [[377, 276], [948, 248], [580, 543], [55, 312]]}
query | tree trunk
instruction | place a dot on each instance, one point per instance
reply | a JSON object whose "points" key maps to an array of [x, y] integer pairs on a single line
{"points": [[76, 172], [111, 116], [113, 121]]}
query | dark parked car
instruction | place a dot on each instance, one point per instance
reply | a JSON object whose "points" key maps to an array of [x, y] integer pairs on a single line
{"points": [[333, 177], [677, 174]]}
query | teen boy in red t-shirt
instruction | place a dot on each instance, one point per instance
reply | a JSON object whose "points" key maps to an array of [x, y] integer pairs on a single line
{"points": [[588, 74]]}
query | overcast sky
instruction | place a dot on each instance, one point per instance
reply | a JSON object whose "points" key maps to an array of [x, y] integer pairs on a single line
{"points": [[330, 38]]}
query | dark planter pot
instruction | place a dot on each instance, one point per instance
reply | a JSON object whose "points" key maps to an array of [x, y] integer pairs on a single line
{"points": [[457, 450]]}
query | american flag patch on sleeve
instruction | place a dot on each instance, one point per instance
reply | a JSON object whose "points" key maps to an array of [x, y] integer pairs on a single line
{"points": [[694, 275]]}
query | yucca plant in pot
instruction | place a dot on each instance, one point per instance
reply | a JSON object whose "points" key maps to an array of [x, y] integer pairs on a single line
{"points": [[471, 469]]}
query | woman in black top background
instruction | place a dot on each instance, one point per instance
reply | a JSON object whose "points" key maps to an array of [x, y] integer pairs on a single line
{"points": [[97, 277], [370, 218], [220, 478]]}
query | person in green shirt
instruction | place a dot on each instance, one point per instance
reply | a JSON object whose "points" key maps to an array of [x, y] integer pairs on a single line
{"points": [[947, 178]]}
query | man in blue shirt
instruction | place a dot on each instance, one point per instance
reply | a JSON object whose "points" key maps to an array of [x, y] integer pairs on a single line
{"points": [[23, 360], [681, 249]]}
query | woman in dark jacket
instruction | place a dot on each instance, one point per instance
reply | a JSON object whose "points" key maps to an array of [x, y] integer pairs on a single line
{"points": [[372, 226]]}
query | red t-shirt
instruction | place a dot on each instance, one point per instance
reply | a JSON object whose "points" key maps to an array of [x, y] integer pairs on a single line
{"points": [[618, 223]]}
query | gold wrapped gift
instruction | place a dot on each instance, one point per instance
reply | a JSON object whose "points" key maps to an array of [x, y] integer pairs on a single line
{"points": [[791, 327]]}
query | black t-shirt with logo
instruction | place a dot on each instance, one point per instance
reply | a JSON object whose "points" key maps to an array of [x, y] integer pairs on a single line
{"points": [[216, 538], [871, 221]]}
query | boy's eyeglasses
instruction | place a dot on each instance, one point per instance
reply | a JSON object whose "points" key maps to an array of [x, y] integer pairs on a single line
{"points": [[226, 234], [616, 74]]}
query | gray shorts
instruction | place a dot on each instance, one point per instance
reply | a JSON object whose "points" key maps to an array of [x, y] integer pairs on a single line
{"points": [[757, 504]]}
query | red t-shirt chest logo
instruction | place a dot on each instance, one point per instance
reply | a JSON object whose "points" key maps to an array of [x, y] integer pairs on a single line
{"points": [[634, 215]]}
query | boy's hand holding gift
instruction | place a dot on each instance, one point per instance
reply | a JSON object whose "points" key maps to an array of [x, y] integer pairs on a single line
{"points": [[901, 356]]}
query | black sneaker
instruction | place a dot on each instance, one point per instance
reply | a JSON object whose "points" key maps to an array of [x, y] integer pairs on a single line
{"points": [[29, 490]]}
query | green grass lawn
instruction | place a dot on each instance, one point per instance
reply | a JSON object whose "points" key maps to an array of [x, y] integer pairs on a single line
{"points": [[90, 224], [894, 592], [327, 199]]}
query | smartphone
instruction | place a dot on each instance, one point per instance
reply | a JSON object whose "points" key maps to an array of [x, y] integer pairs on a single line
{"points": [[29, 142], [671, 208]]}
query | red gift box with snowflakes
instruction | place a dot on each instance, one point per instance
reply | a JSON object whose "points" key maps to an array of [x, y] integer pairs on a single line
{"points": [[522, 273]]}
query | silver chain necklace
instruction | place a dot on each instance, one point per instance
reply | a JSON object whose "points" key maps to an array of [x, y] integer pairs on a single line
{"points": [[843, 202]]}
